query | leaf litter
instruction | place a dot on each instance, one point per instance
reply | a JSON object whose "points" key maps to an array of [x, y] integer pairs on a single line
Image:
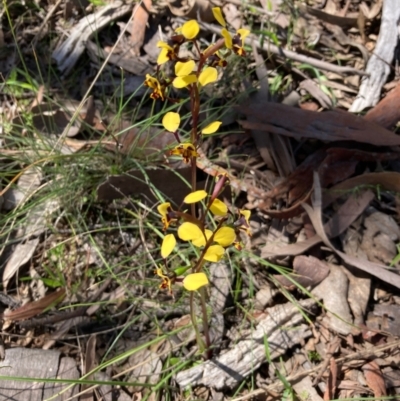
{"points": [[329, 311]]}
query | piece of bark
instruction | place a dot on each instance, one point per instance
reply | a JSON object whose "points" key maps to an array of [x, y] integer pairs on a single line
{"points": [[333, 291], [221, 283], [39, 364], [232, 367], [378, 66]]}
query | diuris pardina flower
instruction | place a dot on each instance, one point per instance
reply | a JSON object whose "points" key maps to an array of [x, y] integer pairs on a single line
{"points": [[235, 43], [243, 222], [158, 88], [167, 52], [167, 214]]}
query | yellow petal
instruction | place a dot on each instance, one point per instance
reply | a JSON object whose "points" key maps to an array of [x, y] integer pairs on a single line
{"points": [[182, 82], [164, 45], [171, 121], [188, 231], [246, 214], [193, 282], [211, 128], [228, 38], [163, 208], [163, 56], [208, 76], [190, 29], [243, 33], [218, 16], [214, 253], [182, 69], [201, 241], [225, 236], [168, 245], [218, 208], [195, 196]]}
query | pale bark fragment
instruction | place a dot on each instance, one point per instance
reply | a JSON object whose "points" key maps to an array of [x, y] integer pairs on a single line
{"points": [[69, 52], [378, 66], [282, 328]]}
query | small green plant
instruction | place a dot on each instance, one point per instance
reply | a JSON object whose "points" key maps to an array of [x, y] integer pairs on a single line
{"points": [[209, 226], [314, 356]]}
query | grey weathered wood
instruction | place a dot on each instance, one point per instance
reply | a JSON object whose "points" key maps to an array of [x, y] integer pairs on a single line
{"points": [[283, 329], [379, 64], [69, 52], [35, 363]]}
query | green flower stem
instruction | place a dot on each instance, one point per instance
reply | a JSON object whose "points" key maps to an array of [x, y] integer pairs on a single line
{"points": [[200, 342], [205, 322]]}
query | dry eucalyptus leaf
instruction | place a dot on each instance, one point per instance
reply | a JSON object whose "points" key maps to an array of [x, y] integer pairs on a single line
{"points": [[27, 184], [21, 255], [37, 218]]}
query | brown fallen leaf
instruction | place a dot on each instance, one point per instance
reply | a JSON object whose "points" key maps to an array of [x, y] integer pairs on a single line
{"points": [[139, 22], [332, 380], [307, 271], [387, 112], [327, 126], [34, 308], [374, 378]]}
